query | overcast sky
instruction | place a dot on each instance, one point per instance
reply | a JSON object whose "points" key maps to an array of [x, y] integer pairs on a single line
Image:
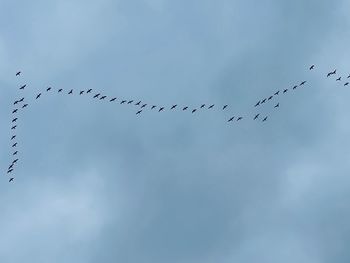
{"points": [[96, 183]]}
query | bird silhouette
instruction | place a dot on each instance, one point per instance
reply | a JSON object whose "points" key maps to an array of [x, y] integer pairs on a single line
{"points": [[60, 90], [160, 109], [16, 101], [48, 89], [277, 92], [14, 127], [231, 119], [225, 106], [123, 101], [113, 99], [338, 79], [14, 111], [10, 167], [81, 92], [144, 105], [23, 86], [256, 116], [18, 73], [96, 95], [11, 179], [312, 67], [263, 101], [138, 112], [346, 84], [15, 153], [211, 106], [138, 103], [302, 83], [173, 107], [153, 107], [348, 77], [194, 110], [331, 73], [13, 137], [239, 118], [103, 97], [21, 100], [270, 98], [130, 101], [89, 90], [295, 86], [70, 92], [10, 171], [265, 119], [257, 104], [202, 106], [185, 108], [284, 91], [14, 145], [14, 120], [25, 105], [15, 161], [277, 105], [38, 96]]}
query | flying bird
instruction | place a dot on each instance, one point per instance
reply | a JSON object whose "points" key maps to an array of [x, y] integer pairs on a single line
{"points": [[38, 96], [294, 87], [160, 109], [103, 97], [302, 83], [225, 106], [13, 127], [14, 136], [346, 84], [138, 103], [138, 112], [284, 91], [277, 105], [14, 111], [277, 92], [113, 99], [18, 73], [48, 89], [348, 77], [14, 120], [153, 107], [89, 90], [123, 101], [16, 101], [11, 179], [194, 110], [231, 119], [144, 105], [264, 119], [331, 73], [173, 107], [15, 161], [256, 116], [70, 92], [60, 90], [338, 79], [22, 87], [98, 94], [22, 99], [81, 92], [14, 145], [25, 105], [257, 104], [270, 98], [15, 153], [185, 108], [130, 101], [239, 118], [312, 67], [211, 106], [10, 167], [263, 101], [10, 171], [202, 106]]}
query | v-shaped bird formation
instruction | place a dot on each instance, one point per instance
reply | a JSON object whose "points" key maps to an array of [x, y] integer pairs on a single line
{"points": [[21, 104]]}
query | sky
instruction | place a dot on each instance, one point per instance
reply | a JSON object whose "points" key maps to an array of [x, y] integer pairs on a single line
{"points": [[97, 183]]}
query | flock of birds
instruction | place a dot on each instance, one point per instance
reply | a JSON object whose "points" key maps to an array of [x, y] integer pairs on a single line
{"points": [[21, 104]]}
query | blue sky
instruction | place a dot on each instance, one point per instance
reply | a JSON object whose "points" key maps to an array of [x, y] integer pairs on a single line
{"points": [[96, 183]]}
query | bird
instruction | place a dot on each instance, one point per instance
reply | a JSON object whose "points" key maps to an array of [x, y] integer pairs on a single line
{"points": [[312, 67], [13, 137], [257, 104], [15, 153], [14, 111], [18, 73], [138, 103], [160, 109], [89, 90], [16, 101], [15, 161], [264, 119], [346, 84], [21, 100], [15, 119], [231, 119], [96, 95], [13, 127], [277, 92], [103, 97], [185, 108], [130, 101], [14, 145], [38, 96], [302, 83], [284, 91], [23, 86], [332, 73], [194, 110], [202, 106], [60, 90], [10, 167], [113, 99], [295, 86], [144, 105], [277, 105], [153, 106], [70, 92], [348, 77], [263, 101], [225, 106], [48, 89], [173, 107], [338, 79], [25, 105], [270, 98], [239, 118], [138, 112], [81, 92], [256, 116], [11, 179], [9, 171], [123, 101], [211, 106]]}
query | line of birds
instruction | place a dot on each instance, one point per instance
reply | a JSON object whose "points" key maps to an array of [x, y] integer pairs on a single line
{"points": [[143, 106]]}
